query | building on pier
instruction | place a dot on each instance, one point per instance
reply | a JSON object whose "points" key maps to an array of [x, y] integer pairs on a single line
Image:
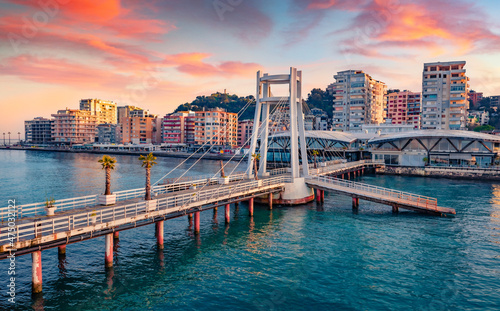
{"points": [[436, 148]]}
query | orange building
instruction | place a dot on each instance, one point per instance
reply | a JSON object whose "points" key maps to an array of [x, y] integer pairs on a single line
{"points": [[404, 108], [72, 126], [216, 127], [141, 130]]}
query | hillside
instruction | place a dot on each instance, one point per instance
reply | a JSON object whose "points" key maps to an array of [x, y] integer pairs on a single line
{"points": [[232, 103]]}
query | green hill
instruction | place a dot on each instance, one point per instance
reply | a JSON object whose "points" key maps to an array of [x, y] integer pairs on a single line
{"points": [[232, 103]]}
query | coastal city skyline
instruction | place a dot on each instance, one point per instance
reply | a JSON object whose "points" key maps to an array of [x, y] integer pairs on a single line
{"points": [[160, 56]]}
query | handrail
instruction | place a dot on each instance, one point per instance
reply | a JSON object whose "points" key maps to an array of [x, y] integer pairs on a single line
{"points": [[417, 199], [164, 206]]}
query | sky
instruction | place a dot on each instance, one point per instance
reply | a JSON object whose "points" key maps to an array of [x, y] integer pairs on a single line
{"points": [[160, 54]]}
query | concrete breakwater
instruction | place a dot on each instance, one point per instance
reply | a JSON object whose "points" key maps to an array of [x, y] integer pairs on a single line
{"points": [[208, 156], [443, 172]]}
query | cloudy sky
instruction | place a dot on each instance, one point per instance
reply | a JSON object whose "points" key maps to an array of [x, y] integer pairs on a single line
{"points": [[160, 54]]}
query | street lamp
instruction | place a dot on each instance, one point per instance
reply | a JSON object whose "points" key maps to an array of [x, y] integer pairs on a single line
{"points": [[4, 139], [9, 137], [19, 136]]}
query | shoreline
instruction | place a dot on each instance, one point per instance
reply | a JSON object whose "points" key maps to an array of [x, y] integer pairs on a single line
{"points": [[163, 154]]}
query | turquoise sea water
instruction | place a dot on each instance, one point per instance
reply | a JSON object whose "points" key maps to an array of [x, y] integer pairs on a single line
{"points": [[295, 258]]}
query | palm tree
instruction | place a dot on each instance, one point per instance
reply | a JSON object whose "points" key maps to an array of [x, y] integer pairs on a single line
{"points": [[255, 158], [315, 154], [108, 164], [148, 162]]}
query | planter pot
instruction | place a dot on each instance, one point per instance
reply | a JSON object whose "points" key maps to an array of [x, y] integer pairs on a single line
{"points": [[223, 181], [151, 205], [259, 183], [193, 187], [51, 210], [93, 220], [323, 164], [107, 199]]}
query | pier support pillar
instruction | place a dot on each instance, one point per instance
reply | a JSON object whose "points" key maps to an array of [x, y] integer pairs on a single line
{"points": [[342, 176], [250, 206], [228, 215], [322, 196], [349, 175], [61, 251], [197, 222], [190, 216], [159, 234], [215, 212], [116, 235], [318, 196], [36, 272], [236, 205], [270, 201], [395, 209], [355, 203], [108, 256]]}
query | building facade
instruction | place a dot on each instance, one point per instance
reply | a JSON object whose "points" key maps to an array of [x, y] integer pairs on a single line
{"points": [[174, 128], [357, 99], [38, 131], [108, 134], [104, 110], [72, 126], [245, 128], [140, 130], [216, 127], [403, 108], [475, 98], [444, 96]]}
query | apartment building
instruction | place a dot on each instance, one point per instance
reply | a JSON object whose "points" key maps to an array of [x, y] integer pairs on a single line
{"points": [[444, 96], [108, 134], [357, 99], [216, 127], [245, 129], [141, 130], [38, 131], [175, 127], [404, 108], [474, 98], [72, 126], [104, 110]]}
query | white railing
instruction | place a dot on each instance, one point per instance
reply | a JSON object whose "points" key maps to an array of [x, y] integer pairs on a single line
{"points": [[343, 166], [415, 199], [100, 219], [39, 209]]}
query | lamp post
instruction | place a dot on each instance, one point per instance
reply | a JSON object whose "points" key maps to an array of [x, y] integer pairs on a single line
{"points": [[4, 139], [19, 138], [9, 137]]}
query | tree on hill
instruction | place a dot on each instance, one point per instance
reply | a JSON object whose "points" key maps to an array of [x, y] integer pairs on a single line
{"points": [[320, 99], [232, 103]]}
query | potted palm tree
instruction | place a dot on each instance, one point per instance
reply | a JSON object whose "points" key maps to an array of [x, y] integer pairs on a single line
{"points": [[49, 205], [148, 162], [315, 154], [108, 164], [255, 158]]}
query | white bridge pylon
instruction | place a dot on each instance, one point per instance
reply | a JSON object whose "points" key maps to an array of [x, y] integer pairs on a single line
{"points": [[264, 102]]}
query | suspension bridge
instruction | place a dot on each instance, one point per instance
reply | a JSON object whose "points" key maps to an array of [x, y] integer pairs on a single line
{"points": [[30, 228]]}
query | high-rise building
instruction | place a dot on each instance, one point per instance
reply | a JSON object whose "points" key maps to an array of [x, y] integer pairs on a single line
{"points": [[73, 126], [444, 96], [104, 110], [38, 130], [404, 108], [357, 99]]}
